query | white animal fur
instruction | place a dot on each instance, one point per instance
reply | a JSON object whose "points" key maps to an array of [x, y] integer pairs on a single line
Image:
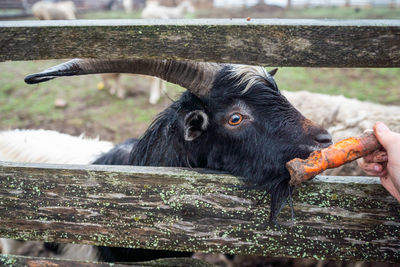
{"points": [[249, 75], [37, 249], [44, 10], [43, 146], [344, 117], [31, 248], [128, 5]]}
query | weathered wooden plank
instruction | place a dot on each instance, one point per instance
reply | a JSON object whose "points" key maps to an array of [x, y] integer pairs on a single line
{"points": [[175, 209], [12, 260], [273, 42]]}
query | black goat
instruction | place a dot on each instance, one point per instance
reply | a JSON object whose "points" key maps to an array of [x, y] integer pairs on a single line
{"points": [[233, 118]]}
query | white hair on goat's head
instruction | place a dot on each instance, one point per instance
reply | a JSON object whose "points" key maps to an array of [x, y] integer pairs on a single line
{"points": [[249, 75]]}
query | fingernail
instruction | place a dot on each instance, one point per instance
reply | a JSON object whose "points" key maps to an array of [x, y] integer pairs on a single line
{"points": [[381, 128], [377, 168]]}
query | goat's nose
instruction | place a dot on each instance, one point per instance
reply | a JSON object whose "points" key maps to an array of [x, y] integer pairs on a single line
{"points": [[324, 139]]}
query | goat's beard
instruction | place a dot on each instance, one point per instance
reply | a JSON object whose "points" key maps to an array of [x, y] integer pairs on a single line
{"points": [[276, 180], [280, 189]]}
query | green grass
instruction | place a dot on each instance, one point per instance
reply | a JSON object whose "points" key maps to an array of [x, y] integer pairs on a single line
{"points": [[111, 15], [304, 13], [89, 110], [374, 85], [301, 13], [344, 13], [10, 11], [119, 15], [14, 98]]}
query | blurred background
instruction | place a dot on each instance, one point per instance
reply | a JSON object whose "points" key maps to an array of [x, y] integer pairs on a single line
{"points": [[116, 108]]}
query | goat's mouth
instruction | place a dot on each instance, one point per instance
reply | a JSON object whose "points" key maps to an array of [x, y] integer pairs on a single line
{"points": [[314, 147], [306, 150]]}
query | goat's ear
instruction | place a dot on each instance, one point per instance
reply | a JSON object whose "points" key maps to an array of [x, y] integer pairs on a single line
{"points": [[273, 72], [195, 123]]}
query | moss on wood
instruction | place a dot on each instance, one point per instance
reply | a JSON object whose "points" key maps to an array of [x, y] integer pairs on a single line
{"points": [[312, 43], [187, 210]]}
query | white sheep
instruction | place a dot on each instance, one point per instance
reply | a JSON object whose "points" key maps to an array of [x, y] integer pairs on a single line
{"points": [[154, 10], [39, 249], [131, 5], [37, 146], [45, 10], [344, 117], [128, 5]]}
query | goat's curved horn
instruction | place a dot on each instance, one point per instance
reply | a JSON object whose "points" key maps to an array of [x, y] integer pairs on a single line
{"points": [[197, 77]]}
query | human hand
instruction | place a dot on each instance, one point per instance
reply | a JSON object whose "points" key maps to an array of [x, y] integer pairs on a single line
{"points": [[385, 163]]}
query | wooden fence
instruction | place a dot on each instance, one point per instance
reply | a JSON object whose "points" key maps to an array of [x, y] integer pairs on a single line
{"points": [[196, 210]]}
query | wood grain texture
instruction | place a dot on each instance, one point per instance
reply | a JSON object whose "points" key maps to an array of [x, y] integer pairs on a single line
{"points": [[12, 260], [270, 42], [193, 210]]}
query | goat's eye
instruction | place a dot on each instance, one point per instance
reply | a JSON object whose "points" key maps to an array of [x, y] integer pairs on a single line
{"points": [[235, 119]]}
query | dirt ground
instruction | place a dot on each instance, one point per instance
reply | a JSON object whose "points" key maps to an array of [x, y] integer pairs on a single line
{"points": [[115, 127]]}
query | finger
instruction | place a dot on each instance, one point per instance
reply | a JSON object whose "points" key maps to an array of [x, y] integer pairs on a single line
{"points": [[368, 158], [373, 169], [380, 156], [383, 173], [363, 165], [388, 139], [376, 174], [388, 184], [376, 156]]}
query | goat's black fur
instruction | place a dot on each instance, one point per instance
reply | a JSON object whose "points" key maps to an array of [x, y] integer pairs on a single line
{"points": [[119, 155], [257, 150]]}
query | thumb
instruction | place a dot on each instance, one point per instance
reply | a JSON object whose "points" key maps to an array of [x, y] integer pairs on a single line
{"points": [[387, 138]]}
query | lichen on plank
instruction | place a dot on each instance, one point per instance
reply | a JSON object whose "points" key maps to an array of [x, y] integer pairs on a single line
{"points": [[309, 43], [192, 210]]}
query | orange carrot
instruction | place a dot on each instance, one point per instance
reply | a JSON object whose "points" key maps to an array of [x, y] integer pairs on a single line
{"points": [[333, 156]]}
